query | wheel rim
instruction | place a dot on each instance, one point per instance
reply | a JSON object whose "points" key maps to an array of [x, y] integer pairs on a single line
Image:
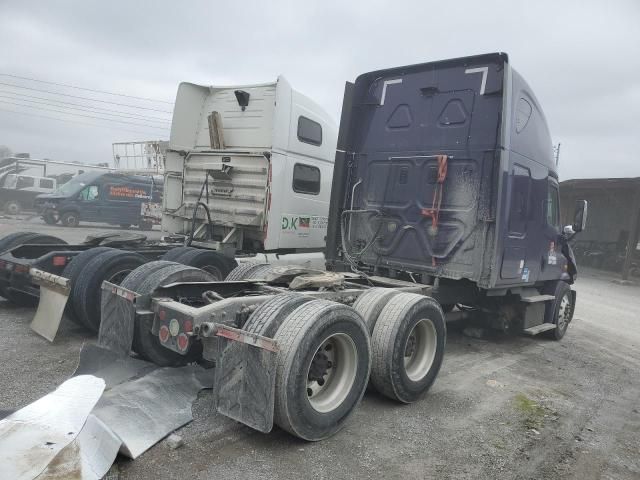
{"points": [[332, 372], [564, 313], [118, 277], [420, 350]]}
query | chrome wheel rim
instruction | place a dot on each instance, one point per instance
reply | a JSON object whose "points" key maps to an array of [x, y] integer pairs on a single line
{"points": [[332, 372], [420, 350]]}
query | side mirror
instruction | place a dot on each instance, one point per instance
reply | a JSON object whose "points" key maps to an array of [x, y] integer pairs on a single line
{"points": [[580, 216]]}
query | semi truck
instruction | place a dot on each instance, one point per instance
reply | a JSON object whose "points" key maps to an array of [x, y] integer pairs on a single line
{"points": [[247, 174], [444, 193]]}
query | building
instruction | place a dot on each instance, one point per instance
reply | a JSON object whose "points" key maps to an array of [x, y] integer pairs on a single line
{"points": [[611, 238]]}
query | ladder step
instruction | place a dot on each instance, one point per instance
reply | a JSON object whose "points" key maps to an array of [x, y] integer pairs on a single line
{"points": [[537, 298], [543, 327]]}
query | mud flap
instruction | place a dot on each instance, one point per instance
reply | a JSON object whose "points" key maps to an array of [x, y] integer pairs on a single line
{"points": [[117, 318], [54, 293], [245, 378]]}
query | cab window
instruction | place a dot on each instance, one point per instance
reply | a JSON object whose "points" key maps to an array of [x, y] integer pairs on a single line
{"points": [[306, 179], [25, 182], [46, 183], [89, 193], [309, 131], [552, 207]]}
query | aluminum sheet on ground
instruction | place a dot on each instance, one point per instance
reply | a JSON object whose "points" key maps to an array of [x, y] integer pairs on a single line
{"points": [[88, 457], [142, 412], [110, 366], [49, 314], [31, 437]]}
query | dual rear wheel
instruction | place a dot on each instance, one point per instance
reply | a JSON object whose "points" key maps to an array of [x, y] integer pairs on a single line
{"points": [[328, 352]]}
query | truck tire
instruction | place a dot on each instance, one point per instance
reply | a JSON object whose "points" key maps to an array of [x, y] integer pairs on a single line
{"points": [[210, 261], [12, 207], [241, 271], [145, 343], [560, 310], [20, 238], [259, 273], [370, 304], [113, 266], [407, 346], [322, 369], [267, 318], [50, 218], [72, 272], [145, 225], [133, 282], [70, 219], [173, 254]]}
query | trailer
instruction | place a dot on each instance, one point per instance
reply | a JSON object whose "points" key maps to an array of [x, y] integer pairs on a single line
{"points": [[247, 175], [444, 193]]}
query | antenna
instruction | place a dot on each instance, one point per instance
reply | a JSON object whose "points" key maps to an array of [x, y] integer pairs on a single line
{"points": [[556, 152]]}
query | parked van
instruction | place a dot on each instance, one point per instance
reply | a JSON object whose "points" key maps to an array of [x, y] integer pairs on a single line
{"points": [[114, 198], [19, 192]]}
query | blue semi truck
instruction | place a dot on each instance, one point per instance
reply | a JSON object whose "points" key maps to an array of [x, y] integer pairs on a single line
{"points": [[444, 196]]}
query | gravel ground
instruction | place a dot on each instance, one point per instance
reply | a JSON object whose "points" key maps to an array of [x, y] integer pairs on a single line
{"points": [[502, 407]]}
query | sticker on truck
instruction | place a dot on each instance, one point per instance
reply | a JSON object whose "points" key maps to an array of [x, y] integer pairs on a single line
{"points": [[302, 225]]}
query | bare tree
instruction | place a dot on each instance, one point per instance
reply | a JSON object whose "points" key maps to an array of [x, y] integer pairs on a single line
{"points": [[5, 152]]}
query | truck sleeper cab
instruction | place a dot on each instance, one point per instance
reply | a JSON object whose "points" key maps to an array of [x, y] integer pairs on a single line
{"points": [[113, 198], [251, 166], [445, 175]]}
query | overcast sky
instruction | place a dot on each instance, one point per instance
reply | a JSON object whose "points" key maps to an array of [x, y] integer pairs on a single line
{"points": [[581, 58]]}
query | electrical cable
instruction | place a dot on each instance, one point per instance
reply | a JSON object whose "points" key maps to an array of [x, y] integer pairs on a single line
{"points": [[84, 98], [82, 109], [87, 116], [83, 88], [122, 129], [144, 117]]}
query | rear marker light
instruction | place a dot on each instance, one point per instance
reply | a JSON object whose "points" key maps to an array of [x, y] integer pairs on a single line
{"points": [[59, 261], [164, 334], [174, 327], [188, 326], [183, 342]]}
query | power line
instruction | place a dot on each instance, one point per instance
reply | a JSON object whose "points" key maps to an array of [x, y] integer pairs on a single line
{"points": [[78, 104], [83, 98], [84, 108], [79, 123], [87, 116], [83, 88]]}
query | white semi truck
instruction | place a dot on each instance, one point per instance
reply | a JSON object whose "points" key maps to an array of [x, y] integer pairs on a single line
{"points": [[248, 174]]}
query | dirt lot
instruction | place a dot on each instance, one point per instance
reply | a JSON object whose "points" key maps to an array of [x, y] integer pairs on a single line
{"points": [[502, 407]]}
